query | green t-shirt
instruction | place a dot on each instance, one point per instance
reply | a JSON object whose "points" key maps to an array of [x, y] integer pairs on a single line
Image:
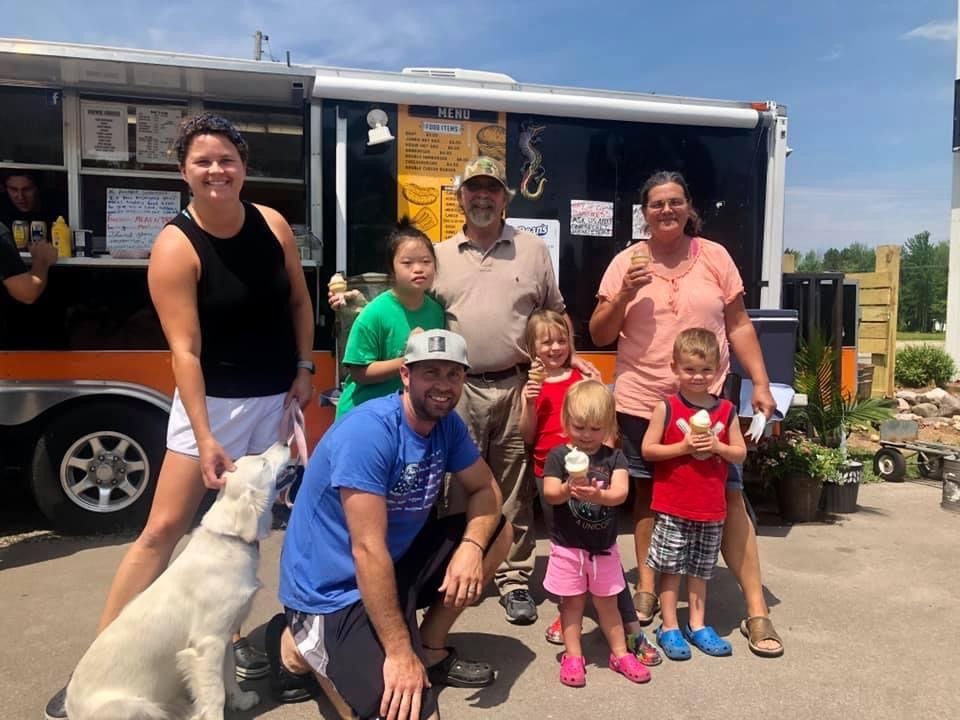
{"points": [[380, 332]]}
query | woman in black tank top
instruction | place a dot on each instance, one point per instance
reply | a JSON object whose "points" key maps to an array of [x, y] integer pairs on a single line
{"points": [[226, 279]]}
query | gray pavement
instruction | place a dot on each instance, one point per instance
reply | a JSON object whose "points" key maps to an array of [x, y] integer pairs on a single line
{"points": [[866, 604]]}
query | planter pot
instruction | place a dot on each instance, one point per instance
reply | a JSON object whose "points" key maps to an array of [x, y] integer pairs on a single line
{"points": [[843, 498], [840, 498], [798, 497]]}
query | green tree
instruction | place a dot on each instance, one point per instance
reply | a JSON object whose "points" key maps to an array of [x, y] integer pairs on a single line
{"points": [[857, 257], [832, 261], [923, 283], [810, 262]]}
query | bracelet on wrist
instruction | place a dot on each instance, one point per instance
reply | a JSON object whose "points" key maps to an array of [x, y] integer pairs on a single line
{"points": [[472, 542]]}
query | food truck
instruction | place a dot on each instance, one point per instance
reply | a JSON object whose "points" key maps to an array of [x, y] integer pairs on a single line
{"points": [[85, 378]]}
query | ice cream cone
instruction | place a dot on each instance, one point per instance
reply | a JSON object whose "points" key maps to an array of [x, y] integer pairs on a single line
{"points": [[576, 463], [700, 423], [640, 257], [337, 284], [537, 373]]}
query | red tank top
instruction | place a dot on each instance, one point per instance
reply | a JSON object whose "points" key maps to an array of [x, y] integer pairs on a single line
{"points": [[687, 487], [549, 428]]}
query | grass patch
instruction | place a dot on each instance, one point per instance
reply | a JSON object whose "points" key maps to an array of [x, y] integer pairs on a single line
{"points": [[921, 336]]}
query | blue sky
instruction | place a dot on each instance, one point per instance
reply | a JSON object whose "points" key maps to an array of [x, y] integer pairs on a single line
{"points": [[868, 83]]}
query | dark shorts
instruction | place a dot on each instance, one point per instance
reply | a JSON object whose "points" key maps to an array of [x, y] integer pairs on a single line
{"points": [[343, 645], [632, 430]]}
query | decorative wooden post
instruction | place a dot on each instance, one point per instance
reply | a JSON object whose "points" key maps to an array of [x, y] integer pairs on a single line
{"points": [[879, 303]]}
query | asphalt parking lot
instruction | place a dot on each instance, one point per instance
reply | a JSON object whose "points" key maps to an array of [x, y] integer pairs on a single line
{"points": [[866, 604]]}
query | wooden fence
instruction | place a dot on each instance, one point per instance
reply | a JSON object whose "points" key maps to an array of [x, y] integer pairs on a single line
{"points": [[877, 334], [879, 297]]}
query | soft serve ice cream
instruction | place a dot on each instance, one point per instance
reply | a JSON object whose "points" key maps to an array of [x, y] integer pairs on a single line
{"points": [[576, 463], [700, 422]]}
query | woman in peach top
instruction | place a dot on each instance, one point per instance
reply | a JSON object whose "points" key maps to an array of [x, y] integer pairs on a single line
{"points": [[649, 293]]}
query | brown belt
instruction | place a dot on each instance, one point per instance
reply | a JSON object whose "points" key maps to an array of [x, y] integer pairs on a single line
{"points": [[494, 375]]}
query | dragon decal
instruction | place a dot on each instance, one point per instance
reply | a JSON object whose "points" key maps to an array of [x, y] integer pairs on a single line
{"points": [[532, 170]]}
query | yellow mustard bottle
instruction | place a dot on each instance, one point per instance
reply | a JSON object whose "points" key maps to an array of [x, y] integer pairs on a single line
{"points": [[60, 236]]}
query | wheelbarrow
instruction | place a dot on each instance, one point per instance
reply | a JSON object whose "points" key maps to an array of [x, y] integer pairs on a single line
{"points": [[898, 437]]}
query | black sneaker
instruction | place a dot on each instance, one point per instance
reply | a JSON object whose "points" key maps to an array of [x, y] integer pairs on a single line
{"points": [[521, 610], [285, 686], [251, 663], [57, 707]]}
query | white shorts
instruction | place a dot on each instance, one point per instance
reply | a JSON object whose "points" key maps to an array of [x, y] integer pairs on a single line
{"points": [[243, 426]]}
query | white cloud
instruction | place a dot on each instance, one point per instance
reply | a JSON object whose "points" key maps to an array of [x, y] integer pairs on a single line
{"points": [[934, 30], [832, 55]]}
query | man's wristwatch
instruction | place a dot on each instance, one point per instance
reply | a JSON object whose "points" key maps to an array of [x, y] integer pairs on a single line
{"points": [[307, 365]]}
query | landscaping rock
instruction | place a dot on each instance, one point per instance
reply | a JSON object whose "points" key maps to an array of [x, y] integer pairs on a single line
{"points": [[933, 396], [925, 410], [909, 395], [902, 405], [906, 416], [949, 406], [874, 438]]}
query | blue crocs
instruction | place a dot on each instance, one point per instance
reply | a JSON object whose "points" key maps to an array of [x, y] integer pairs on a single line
{"points": [[672, 644], [707, 641]]}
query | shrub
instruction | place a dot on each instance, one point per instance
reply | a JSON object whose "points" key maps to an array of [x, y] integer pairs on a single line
{"points": [[922, 365]]}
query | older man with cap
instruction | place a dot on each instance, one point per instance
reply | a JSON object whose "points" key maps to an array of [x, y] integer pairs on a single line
{"points": [[490, 278], [365, 549]]}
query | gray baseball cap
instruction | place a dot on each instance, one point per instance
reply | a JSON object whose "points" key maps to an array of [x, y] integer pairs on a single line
{"points": [[436, 345]]}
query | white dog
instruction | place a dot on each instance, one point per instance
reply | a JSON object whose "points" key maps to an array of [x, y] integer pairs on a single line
{"points": [[171, 644]]}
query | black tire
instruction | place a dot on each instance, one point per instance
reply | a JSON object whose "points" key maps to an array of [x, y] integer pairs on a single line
{"points": [[929, 466], [890, 465], [71, 482]]}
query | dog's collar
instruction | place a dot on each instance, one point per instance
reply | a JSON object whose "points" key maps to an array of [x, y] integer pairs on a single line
{"points": [[235, 538]]}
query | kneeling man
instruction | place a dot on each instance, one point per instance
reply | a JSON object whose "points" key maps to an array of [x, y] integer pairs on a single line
{"points": [[365, 548]]}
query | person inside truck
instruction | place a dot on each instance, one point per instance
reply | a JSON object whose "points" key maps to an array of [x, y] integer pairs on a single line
{"points": [[23, 199], [649, 293], [226, 279], [18, 283]]}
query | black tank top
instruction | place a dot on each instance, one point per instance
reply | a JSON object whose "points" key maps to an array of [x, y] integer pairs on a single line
{"points": [[247, 343]]}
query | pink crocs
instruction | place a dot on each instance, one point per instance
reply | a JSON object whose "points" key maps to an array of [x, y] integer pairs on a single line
{"points": [[631, 668]]}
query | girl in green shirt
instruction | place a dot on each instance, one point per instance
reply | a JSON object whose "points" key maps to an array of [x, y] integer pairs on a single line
{"points": [[374, 352]]}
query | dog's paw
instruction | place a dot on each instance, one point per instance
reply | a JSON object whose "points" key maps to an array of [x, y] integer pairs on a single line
{"points": [[243, 700]]}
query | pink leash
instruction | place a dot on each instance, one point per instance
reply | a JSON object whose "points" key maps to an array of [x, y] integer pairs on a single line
{"points": [[291, 433]]}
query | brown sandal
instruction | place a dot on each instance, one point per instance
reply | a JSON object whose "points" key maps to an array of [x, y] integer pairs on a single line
{"points": [[758, 628], [647, 604]]}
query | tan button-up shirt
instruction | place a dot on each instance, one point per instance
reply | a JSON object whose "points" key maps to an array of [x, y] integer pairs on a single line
{"points": [[489, 295]]}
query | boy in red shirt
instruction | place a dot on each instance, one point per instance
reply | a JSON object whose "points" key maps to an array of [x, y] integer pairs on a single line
{"points": [[693, 436]]}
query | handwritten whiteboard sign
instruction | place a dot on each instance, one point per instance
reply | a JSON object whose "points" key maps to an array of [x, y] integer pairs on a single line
{"points": [[104, 131], [593, 218], [134, 217], [156, 132]]}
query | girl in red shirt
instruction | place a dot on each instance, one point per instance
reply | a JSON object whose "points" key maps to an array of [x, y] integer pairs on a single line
{"points": [[550, 345]]}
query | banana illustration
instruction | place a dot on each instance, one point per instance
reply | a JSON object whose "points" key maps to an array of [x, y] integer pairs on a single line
{"points": [[419, 195]]}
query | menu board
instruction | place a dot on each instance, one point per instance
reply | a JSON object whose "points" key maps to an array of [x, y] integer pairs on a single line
{"points": [[433, 146], [156, 132], [135, 217], [103, 131]]}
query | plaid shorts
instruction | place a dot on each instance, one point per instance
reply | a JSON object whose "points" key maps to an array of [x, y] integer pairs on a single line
{"points": [[685, 547]]}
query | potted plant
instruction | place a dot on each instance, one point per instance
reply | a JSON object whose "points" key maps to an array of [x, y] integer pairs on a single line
{"points": [[840, 495], [798, 467], [829, 415]]}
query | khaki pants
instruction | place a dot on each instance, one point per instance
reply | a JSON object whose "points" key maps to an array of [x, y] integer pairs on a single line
{"points": [[491, 410]]}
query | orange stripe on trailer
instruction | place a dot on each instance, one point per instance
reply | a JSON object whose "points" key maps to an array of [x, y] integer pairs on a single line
{"points": [[148, 368]]}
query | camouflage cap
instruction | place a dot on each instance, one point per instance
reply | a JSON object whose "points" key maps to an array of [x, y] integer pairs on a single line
{"points": [[485, 166]]}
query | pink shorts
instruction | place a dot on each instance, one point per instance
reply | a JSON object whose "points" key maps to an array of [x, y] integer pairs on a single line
{"points": [[572, 571]]}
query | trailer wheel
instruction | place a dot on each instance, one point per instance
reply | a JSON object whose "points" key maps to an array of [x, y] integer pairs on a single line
{"points": [[929, 466], [95, 465], [890, 465]]}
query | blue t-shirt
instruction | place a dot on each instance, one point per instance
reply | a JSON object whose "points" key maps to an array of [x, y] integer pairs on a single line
{"points": [[371, 449]]}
